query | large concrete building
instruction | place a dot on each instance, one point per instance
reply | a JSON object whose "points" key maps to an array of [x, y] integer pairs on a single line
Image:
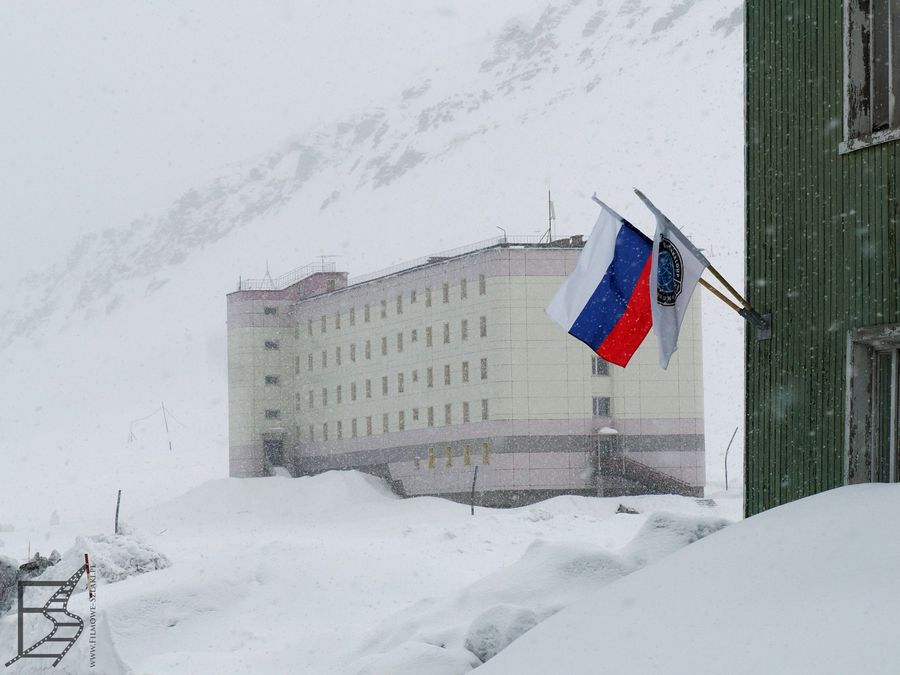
{"points": [[423, 372]]}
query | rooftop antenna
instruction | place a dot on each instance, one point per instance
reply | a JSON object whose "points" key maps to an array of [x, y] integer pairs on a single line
{"points": [[269, 276], [551, 216], [323, 259]]}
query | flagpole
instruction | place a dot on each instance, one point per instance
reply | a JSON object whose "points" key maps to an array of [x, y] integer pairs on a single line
{"points": [[725, 283], [721, 296]]}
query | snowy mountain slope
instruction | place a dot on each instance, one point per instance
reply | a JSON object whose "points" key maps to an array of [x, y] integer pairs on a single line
{"points": [[574, 96]]}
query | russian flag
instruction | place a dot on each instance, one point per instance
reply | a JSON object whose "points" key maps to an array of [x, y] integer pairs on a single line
{"points": [[605, 302]]}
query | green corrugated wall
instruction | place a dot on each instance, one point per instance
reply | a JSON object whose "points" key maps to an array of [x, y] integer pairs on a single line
{"points": [[822, 249]]}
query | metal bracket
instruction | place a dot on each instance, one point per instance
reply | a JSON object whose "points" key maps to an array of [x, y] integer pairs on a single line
{"points": [[762, 322]]}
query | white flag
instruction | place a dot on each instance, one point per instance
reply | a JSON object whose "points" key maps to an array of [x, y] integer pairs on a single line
{"points": [[675, 269]]}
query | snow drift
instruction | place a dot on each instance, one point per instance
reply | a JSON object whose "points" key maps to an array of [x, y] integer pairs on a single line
{"points": [[810, 587]]}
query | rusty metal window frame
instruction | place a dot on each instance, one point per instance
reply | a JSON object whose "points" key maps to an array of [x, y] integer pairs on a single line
{"points": [[871, 73]]}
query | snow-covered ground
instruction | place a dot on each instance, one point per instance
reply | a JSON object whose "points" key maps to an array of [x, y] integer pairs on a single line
{"points": [[807, 588], [334, 574]]}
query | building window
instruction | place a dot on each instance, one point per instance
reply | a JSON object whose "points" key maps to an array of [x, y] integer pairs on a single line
{"points": [[485, 453], [482, 326], [337, 320], [353, 429], [340, 429], [430, 416], [272, 414], [399, 342], [467, 455], [384, 309], [338, 393], [384, 385], [484, 409], [465, 371], [447, 374], [369, 425], [463, 289], [401, 421], [324, 397], [330, 285], [368, 388], [399, 304], [270, 311], [872, 72], [429, 336], [412, 297], [415, 376], [399, 383], [482, 285], [297, 332], [366, 315], [429, 377], [324, 431], [415, 413], [384, 423], [368, 349], [324, 359], [297, 406], [873, 412], [296, 365], [599, 366], [271, 344], [465, 412], [309, 362], [309, 326], [353, 391], [428, 297], [445, 293], [384, 346], [312, 401], [446, 333], [353, 316], [449, 455], [484, 373], [312, 433], [337, 356], [324, 323], [430, 458], [353, 352], [272, 379], [464, 329], [414, 335], [601, 406]]}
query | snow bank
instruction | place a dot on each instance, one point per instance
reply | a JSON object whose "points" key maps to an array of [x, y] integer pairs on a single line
{"points": [[489, 614], [810, 587]]}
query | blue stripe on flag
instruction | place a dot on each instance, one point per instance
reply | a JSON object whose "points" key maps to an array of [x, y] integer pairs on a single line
{"points": [[613, 293]]}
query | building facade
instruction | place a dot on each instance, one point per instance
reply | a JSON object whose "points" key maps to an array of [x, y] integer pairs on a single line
{"points": [[420, 374], [823, 183]]}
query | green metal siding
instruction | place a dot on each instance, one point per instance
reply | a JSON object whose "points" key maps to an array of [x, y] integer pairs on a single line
{"points": [[822, 252]]}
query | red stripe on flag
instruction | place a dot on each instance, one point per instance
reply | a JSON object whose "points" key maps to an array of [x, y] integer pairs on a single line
{"points": [[630, 331]]}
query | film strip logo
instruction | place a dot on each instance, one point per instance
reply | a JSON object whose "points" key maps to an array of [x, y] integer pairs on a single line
{"points": [[67, 627]]}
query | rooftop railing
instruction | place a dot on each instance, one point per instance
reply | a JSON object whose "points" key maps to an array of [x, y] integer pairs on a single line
{"points": [[268, 283]]}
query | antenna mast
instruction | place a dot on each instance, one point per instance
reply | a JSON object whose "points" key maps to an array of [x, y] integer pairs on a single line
{"points": [[551, 216]]}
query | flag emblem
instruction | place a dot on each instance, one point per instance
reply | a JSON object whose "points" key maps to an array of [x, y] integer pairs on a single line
{"points": [[671, 273]]}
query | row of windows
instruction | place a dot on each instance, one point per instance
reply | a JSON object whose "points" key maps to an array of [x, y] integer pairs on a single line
{"points": [[449, 456], [399, 342], [401, 383], [391, 421], [601, 408], [413, 298]]}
